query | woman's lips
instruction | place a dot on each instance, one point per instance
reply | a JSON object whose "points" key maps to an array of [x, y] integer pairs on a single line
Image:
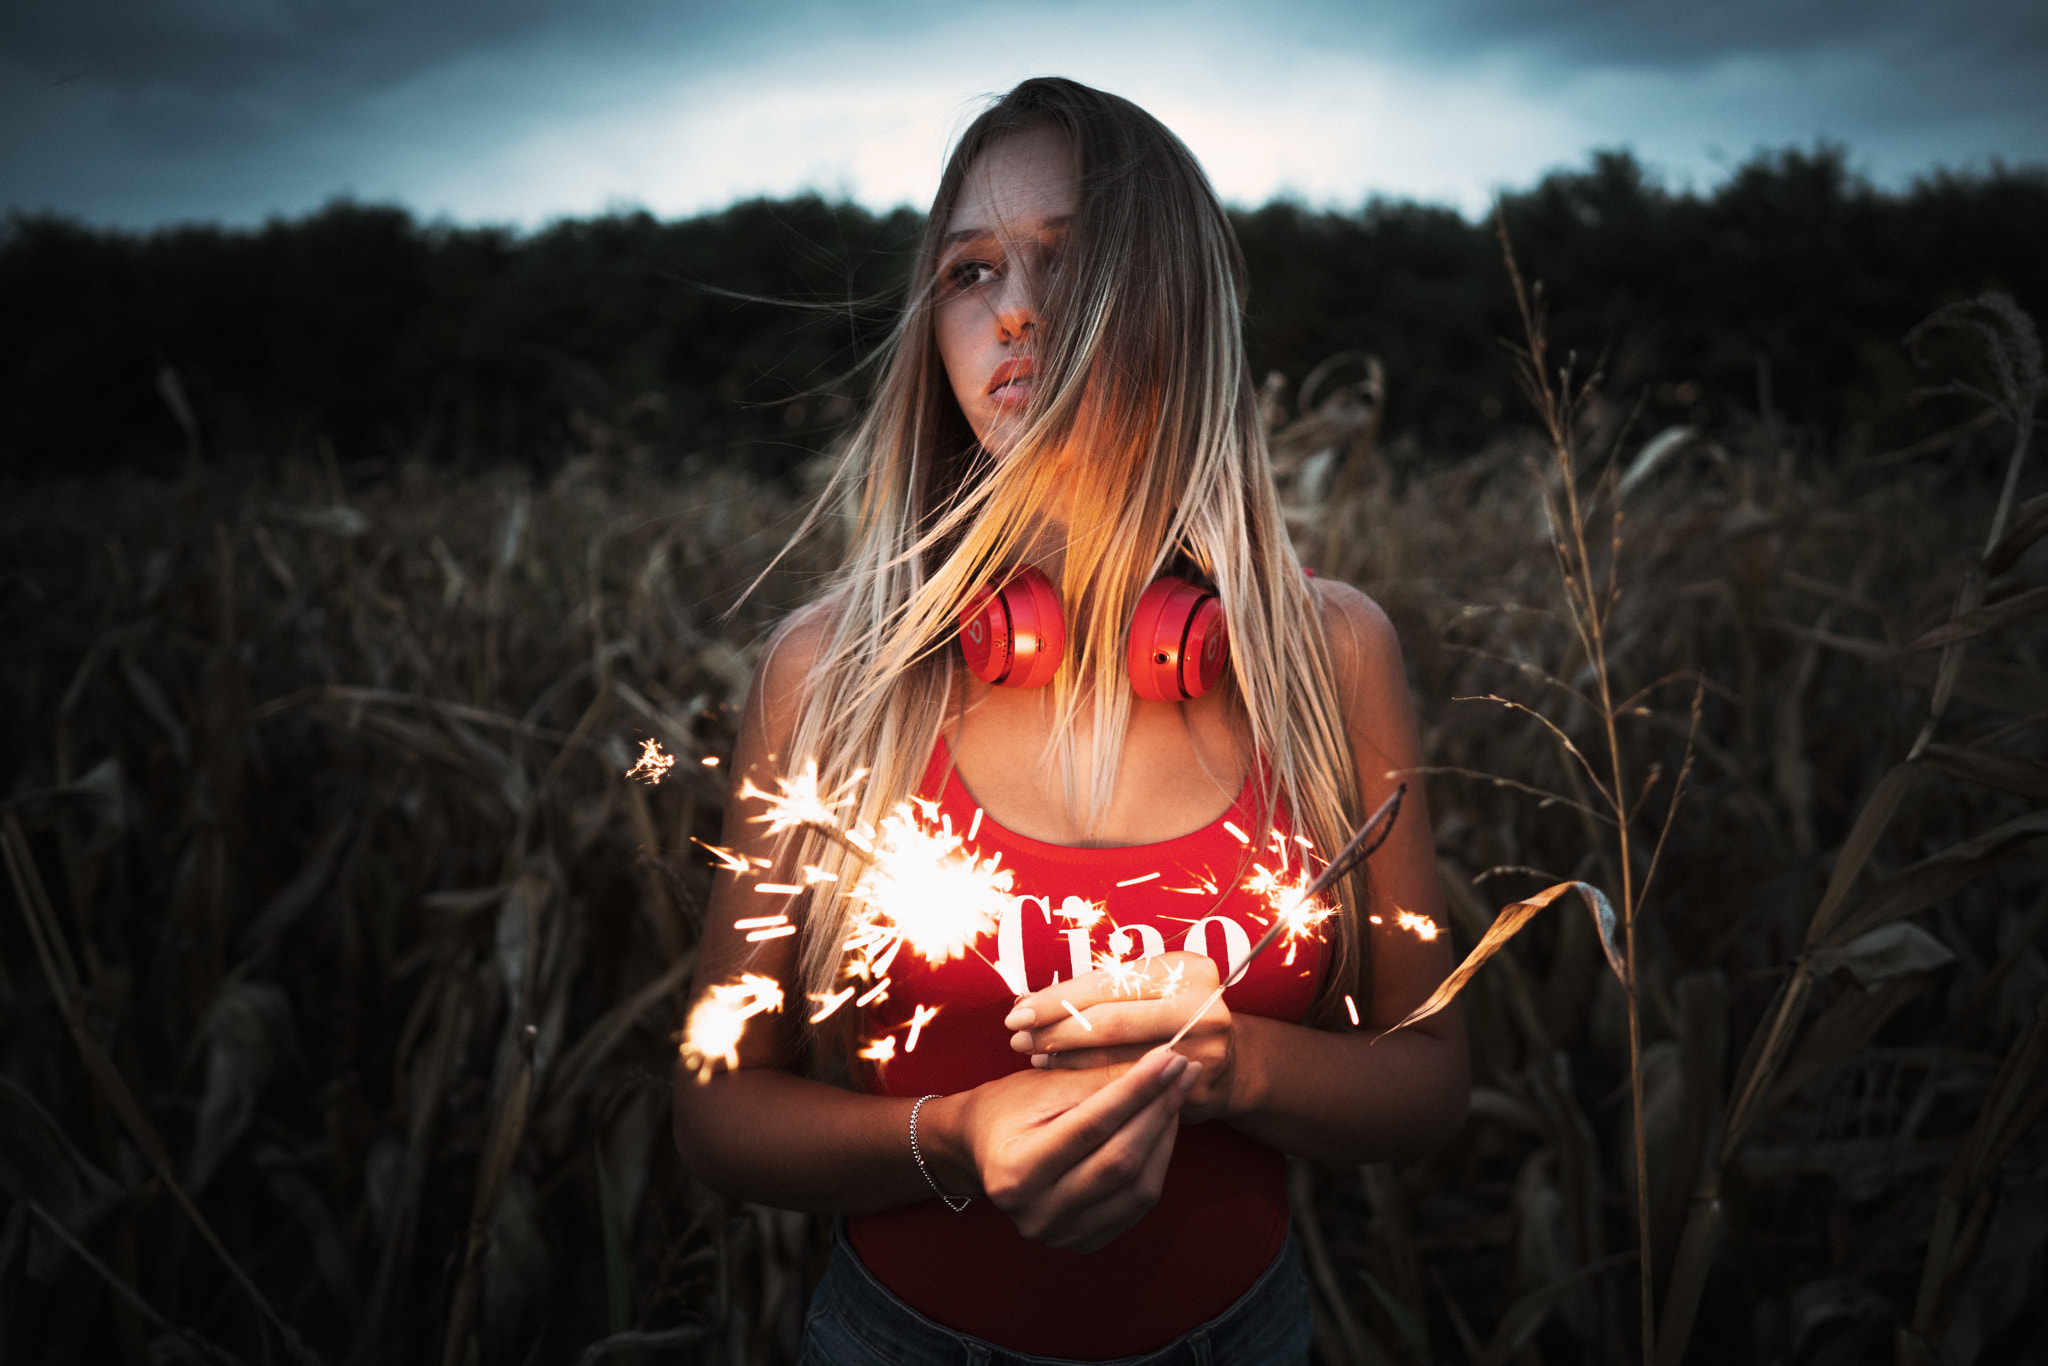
{"points": [[1010, 385], [1015, 394]]}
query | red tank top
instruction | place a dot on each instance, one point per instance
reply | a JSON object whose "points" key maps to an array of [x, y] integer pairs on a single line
{"points": [[1222, 1215]]}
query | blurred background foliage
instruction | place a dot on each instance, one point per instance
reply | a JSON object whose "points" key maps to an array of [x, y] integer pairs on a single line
{"points": [[398, 340]]}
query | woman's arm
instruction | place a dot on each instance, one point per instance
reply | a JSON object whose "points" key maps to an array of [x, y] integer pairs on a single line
{"points": [[1074, 1159], [1368, 1095], [1345, 1096]]}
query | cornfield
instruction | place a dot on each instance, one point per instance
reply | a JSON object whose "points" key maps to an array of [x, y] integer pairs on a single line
{"points": [[342, 965]]}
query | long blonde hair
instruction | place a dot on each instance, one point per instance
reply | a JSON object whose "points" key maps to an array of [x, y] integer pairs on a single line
{"points": [[1141, 318]]}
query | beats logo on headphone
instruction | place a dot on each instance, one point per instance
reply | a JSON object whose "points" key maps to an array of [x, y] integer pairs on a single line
{"points": [[1014, 637]]}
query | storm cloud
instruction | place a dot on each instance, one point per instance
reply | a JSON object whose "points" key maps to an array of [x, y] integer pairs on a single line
{"points": [[516, 110]]}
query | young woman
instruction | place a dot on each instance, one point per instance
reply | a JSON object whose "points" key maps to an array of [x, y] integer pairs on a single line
{"points": [[1034, 1176]]}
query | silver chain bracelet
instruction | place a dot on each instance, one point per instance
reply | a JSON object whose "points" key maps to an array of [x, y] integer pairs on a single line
{"points": [[916, 1152]]}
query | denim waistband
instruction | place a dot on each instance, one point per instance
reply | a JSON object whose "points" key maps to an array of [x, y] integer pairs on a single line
{"points": [[854, 1320]]}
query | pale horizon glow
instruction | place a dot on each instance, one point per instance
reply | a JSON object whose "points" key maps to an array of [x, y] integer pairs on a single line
{"points": [[528, 132]]}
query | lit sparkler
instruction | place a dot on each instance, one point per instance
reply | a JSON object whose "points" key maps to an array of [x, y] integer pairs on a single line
{"points": [[918, 887], [654, 764], [922, 889], [1363, 842]]}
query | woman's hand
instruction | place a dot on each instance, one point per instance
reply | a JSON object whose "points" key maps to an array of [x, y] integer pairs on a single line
{"points": [[1075, 1159], [1114, 1016]]}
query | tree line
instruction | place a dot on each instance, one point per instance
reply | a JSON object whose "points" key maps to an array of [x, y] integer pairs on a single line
{"points": [[740, 335]]}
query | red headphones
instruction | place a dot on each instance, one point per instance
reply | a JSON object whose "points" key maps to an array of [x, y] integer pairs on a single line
{"points": [[1014, 636]]}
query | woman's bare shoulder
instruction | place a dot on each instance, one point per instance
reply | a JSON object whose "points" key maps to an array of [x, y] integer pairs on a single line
{"points": [[1363, 647], [793, 652]]}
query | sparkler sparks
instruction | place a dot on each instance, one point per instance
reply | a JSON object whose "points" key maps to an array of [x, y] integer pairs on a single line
{"points": [[1297, 911], [924, 890], [1363, 842], [1422, 926], [919, 1018], [654, 764], [830, 1002], [919, 885], [715, 1026]]}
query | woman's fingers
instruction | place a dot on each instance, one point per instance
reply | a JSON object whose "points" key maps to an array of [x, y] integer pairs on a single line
{"points": [[1081, 1059], [1133, 1002], [1111, 1218], [1068, 1139], [1109, 1190], [1105, 1025]]}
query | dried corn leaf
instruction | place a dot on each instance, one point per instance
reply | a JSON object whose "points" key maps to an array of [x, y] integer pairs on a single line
{"points": [[150, 695], [295, 897], [1979, 621], [1507, 924], [1939, 877], [39, 1162], [2002, 772], [1871, 821], [2029, 524], [247, 1033], [518, 1271], [1851, 1022], [1519, 1326], [1884, 953], [330, 1254], [100, 790]]}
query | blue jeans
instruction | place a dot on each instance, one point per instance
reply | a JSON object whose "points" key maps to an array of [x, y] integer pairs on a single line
{"points": [[855, 1321]]}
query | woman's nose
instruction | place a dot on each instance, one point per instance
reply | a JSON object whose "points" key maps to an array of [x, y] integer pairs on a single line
{"points": [[1016, 306]]}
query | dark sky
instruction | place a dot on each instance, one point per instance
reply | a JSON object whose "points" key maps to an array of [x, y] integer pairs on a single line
{"points": [[146, 111]]}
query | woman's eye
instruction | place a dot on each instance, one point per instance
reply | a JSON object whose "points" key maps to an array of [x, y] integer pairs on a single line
{"points": [[968, 274]]}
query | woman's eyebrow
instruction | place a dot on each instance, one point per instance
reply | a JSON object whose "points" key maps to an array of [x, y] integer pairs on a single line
{"points": [[953, 239]]}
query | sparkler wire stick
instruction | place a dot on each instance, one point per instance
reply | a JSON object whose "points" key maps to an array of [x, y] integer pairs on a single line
{"points": [[1368, 838]]}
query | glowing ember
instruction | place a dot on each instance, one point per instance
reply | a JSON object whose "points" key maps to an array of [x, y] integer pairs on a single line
{"points": [[919, 1018], [709, 761], [830, 1002], [1077, 1015], [1081, 914], [1352, 1008], [881, 1050], [800, 803], [1134, 881], [1124, 977], [728, 859], [715, 1026], [654, 765], [1425, 929]]}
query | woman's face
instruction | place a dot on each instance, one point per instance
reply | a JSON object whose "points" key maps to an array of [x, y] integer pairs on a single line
{"points": [[1005, 234]]}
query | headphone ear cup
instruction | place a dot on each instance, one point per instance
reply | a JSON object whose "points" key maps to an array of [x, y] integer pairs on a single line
{"points": [[1014, 636], [1178, 646]]}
